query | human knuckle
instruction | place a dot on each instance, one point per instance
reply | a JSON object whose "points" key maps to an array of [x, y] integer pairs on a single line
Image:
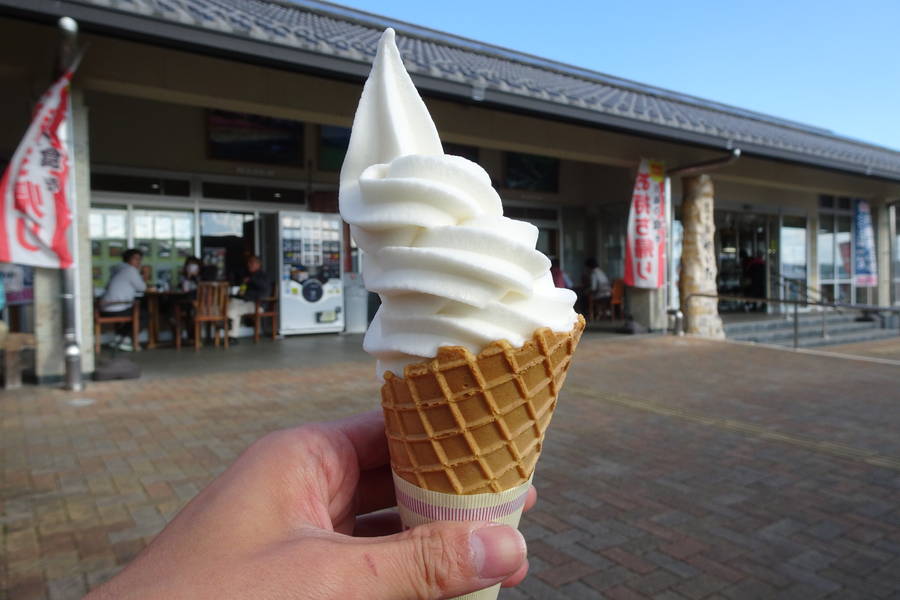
{"points": [[287, 441], [440, 561]]}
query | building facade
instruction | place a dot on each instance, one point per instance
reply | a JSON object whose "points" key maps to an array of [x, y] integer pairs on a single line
{"points": [[196, 122]]}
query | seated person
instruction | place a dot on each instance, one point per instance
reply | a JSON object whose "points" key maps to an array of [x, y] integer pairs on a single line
{"points": [[255, 285], [598, 290], [124, 286], [190, 275]]}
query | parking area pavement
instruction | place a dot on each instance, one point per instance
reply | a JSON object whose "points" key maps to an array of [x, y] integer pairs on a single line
{"points": [[675, 467]]}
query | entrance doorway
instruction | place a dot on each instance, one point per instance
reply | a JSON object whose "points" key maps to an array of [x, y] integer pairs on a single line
{"points": [[760, 256], [745, 251], [835, 249], [226, 239]]}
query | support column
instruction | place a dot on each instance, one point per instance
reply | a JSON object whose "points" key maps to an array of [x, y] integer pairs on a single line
{"points": [[648, 308], [85, 284], [698, 258], [48, 326], [882, 227], [48, 303]]}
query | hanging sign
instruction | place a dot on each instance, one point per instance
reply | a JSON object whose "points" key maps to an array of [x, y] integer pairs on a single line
{"points": [[645, 248], [35, 209], [866, 269]]}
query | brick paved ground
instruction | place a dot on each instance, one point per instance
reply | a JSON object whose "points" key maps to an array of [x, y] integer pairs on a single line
{"points": [[734, 472]]}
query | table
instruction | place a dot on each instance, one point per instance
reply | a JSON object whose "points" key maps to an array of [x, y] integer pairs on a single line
{"points": [[152, 297]]}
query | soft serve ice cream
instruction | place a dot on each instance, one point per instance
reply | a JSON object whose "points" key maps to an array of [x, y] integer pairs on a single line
{"points": [[450, 269], [472, 337]]}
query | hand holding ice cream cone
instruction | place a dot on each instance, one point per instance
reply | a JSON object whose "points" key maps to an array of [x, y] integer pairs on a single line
{"points": [[472, 337]]}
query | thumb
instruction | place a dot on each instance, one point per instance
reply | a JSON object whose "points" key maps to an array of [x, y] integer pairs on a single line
{"points": [[443, 560]]}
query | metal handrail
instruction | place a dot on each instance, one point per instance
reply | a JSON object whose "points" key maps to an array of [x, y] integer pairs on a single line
{"points": [[800, 283], [864, 308]]}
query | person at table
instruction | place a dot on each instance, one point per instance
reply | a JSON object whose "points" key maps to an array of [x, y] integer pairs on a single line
{"points": [[597, 289], [125, 284], [254, 286], [190, 275]]}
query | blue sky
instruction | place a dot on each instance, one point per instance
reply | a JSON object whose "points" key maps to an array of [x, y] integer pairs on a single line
{"points": [[827, 63]]}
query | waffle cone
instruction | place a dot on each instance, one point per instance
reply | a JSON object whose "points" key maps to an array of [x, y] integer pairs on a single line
{"points": [[466, 424]]}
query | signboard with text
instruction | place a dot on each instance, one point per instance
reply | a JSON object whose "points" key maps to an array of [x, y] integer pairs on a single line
{"points": [[35, 212], [645, 248], [866, 270]]}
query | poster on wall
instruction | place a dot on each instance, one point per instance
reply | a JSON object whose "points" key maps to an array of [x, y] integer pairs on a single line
{"points": [[866, 270], [18, 280], [645, 247]]}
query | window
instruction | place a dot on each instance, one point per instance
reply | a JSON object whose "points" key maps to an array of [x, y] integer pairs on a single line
{"points": [[109, 239], [229, 191], [469, 152], [254, 138], [131, 184], [165, 238], [835, 251], [333, 142], [531, 172], [530, 213]]}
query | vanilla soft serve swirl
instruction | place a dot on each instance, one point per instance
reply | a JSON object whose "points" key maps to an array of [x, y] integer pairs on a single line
{"points": [[451, 270]]}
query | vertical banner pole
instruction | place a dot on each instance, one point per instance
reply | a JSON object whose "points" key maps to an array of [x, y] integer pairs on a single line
{"points": [[74, 380]]}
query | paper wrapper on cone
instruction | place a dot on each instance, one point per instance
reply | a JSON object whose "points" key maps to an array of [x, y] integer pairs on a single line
{"points": [[466, 431]]}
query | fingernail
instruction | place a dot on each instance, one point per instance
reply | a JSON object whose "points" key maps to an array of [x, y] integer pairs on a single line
{"points": [[498, 550]]}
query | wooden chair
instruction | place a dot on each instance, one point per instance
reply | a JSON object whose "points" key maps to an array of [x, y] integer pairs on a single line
{"points": [[266, 308], [12, 348], [617, 301], [100, 320], [211, 306]]}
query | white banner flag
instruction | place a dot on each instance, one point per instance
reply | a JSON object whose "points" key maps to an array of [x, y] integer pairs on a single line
{"points": [[645, 245], [34, 199]]}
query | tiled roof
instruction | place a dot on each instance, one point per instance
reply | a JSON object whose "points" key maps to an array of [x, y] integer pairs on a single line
{"points": [[503, 76]]}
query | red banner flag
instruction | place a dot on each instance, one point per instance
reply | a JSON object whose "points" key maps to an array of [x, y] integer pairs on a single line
{"points": [[34, 201], [645, 247]]}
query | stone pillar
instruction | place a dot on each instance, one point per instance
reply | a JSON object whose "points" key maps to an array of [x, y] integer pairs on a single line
{"points": [[698, 258], [882, 228], [48, 326]]}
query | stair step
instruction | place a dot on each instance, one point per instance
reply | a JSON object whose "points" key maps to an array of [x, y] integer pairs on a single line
{"points": [[852, 337], [805, 331], [806, 320]]}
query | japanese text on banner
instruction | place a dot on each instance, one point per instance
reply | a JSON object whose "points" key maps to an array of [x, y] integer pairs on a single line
{"points": [[34, 205], [866, 269], [645, 249]]}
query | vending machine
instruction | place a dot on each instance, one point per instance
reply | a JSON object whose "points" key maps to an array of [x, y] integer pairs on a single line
{"points": [[311, 288]]}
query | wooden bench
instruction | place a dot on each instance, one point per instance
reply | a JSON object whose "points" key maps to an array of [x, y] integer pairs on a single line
{"points": [[12, 358]]}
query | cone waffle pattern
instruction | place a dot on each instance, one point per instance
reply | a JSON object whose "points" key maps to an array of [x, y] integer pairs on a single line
{"points": [[465, 424]]}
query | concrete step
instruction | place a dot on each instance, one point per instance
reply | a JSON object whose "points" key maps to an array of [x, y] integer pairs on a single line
{"points": [[806, 330], [739, 327], [834, 338], [850, 338]]}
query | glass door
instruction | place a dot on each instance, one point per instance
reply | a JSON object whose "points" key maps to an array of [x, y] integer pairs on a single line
{"points": [[744, 252], [835, 249], [792, 257], [226, 240]]}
